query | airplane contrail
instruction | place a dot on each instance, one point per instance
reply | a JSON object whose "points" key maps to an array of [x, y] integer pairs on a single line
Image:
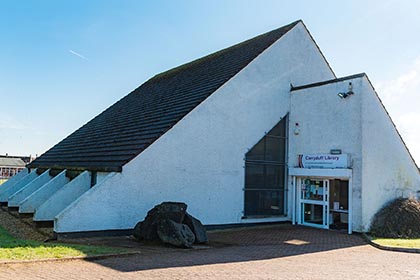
{"points": [[78, 54]]}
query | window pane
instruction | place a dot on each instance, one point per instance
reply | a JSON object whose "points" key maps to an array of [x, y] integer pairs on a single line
{"points": [[312, 190], [264, 182], [254, 176], [274, 149], [279, 129], [312, 213], [257, 152], [263, 203], [274, 178]]}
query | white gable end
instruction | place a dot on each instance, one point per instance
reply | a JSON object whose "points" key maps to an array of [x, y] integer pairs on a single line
{"points": [[359, 126], [389, 171], [200, 161]]}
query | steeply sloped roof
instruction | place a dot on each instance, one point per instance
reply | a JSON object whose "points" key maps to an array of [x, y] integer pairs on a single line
{"points": [[129, 126]]}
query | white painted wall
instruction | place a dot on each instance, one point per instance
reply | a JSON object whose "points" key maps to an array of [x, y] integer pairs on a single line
{"points": [[327, 122], [388, 169], [16, 198], [101, 176], [37, 198], [358, 125], [97, 192], [12, 188], [200, 160], [63, 198]]}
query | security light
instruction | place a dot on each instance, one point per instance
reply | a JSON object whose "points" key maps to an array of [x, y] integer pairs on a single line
{"points": [[342, 94], [346, 94]]}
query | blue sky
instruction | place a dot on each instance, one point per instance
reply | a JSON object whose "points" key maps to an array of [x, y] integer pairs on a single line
{"points": [[64, 62]]}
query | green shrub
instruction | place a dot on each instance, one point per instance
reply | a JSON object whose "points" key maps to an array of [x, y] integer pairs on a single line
{"points": [[399, 218]]}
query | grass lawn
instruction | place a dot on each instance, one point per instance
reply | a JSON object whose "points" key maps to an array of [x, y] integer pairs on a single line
{"points": [[398, 242], [16, 249]]}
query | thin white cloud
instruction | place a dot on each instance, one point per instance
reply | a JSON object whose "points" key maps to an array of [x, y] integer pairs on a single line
{"points": [[404, 88], [78, 54], [408, 126], [401, 97], [7, 122]]}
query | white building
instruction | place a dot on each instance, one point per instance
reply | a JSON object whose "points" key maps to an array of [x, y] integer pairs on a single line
{"points": [[262, 131], [9, 167]]}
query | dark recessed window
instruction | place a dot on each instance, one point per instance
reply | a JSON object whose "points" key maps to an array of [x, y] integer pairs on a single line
{"points": [[265, 169]]}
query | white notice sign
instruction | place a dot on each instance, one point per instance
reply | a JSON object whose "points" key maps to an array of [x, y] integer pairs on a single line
{"points": [[323, 161]]}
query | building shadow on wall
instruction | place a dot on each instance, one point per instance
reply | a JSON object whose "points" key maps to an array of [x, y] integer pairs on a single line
{"points": [[231, 246]]}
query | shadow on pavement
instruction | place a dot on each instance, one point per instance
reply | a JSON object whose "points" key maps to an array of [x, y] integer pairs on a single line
{"points": [[239, 245]]}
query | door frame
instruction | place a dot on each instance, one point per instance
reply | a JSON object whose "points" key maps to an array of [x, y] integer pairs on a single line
{"points": [[321, 174], [324, 203]]}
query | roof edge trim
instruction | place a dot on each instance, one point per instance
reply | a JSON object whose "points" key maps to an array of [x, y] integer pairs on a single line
{"points": [[75, 168], [318, 84]]}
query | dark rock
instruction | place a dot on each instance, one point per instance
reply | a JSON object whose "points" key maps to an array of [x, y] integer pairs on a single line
{"points": [[137, 231], [147, 230], [174, 211], [176, 234], [197, 228]]}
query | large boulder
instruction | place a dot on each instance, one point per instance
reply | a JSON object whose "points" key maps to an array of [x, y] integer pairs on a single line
{"points": [[147, 229], [197, 228], [176, 234], [398, 219], [170, 223]]}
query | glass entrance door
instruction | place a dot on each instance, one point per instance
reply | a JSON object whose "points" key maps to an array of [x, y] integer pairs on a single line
{"points": [[314, 202]]}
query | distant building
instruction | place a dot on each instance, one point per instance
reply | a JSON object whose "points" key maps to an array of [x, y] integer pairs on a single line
{"points": [[11, 165]]}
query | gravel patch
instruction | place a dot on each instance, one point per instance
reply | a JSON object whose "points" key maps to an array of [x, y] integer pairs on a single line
{"points": [[22, 228]]}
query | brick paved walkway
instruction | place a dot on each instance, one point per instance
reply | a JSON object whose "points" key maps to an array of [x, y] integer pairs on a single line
{"points": [[281, 252]]}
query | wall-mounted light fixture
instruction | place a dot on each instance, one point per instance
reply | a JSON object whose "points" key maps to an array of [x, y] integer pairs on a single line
{"points": [[296, 131], [348, 93]]}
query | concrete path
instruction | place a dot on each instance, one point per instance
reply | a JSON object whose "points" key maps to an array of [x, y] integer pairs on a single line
{"points": [[281, 252]]}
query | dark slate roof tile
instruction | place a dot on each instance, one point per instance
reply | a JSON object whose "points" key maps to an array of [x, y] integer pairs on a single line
{"points": [[129, 126]]}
